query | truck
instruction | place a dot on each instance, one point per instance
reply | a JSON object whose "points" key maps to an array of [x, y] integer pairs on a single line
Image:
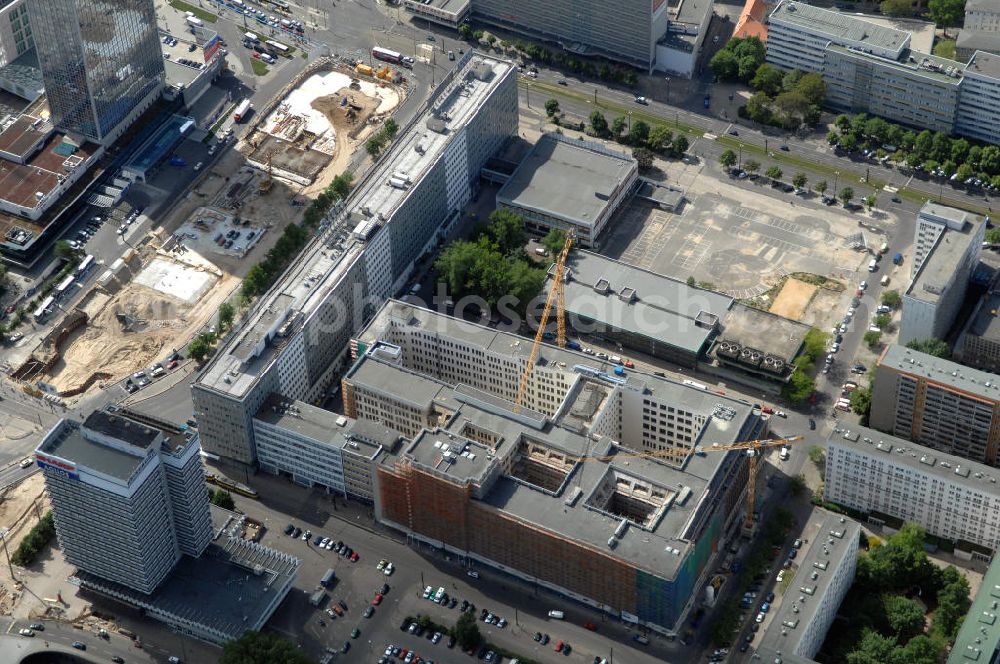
{"points": [[364, 69], [328, 579], [387, 55], [317, 598], [195, 22], [242, 110], [897, 259]]}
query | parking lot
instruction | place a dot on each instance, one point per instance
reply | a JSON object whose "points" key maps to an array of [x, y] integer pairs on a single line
{"points": [[415, 568], [740, 238]]}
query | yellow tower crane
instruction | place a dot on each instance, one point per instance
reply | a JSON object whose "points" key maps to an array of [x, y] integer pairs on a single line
{"points": [[754, 449], [555, 294]]}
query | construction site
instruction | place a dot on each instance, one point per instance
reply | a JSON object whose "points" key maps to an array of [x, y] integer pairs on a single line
{"points": [[322, 119], [133, 316]]}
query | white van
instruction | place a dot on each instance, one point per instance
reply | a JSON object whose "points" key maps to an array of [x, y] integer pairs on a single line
{"points": [[783, 455], [556, 615], [885, 280], [872, 265]]}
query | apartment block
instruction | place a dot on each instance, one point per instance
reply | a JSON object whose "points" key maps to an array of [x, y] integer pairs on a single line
{"points": [[937, 403], [947, 247], [980, 97], [128, 499], [628, 34], [570, 185], [869, 68], [884, 476], [825, 574], [979, 636], [555, 489], [315, 447], [295, 340]]}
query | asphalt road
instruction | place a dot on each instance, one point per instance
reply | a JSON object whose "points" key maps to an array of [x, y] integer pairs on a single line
{"points": [[58, 637]]}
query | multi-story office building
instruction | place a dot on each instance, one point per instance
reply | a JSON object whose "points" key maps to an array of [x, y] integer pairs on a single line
{"points": [[128, 499], [947, 247], [825, 574], [869, 68], [628, 34], [982, 15], [295, 340], [980, 97], [101, 63], [884, 476], [558, 488], [15, 30], [571, 185], [937, 403], [316, 447]]}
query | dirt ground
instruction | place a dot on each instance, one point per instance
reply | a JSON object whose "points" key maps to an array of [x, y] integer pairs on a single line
{"points": [[793, 299], [102, 344], [18, 514]]}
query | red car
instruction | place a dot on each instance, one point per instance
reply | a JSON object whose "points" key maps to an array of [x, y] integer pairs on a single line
{"points": [[355, 557], [377, 600], [591, 626], [171, 364], [767, 410], [559, 646]]}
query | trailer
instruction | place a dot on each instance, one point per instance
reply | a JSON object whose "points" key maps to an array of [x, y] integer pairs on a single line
{"points": [[387, 55], [242, 110]]}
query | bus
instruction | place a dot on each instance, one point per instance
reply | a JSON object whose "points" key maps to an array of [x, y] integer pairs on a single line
{"points": [[385, 54], [85, 264], [250, 37], [280, 5], [278, 47], [242, 110]]}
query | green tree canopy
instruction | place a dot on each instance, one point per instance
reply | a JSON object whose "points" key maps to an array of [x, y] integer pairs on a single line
{"points": [[618, 126], [598, 123], [226, 314], [262, 648], [799, 180], [659, 138], [872, 338], [897, 8], [768, 79], [724, 65], [905, 617], [679, 147], [466, 631], [773, 172], [751, 165], [506, 228], [946, 13], [639, 133], [221, 498], [644, 157], [934, 347], [892, 298], [799, 387], [727, 159], [62, 250], [861, 401], [554, 240], [821, 186], [846, 195], [551, 107]]}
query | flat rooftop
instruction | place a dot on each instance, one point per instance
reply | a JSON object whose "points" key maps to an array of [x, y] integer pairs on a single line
{"points": [[254, 345], [642, 302], [767, 332], [986, 64], [70, 444], [307, 420], [978, 637], [942, 70], [23, 135], [569, 180], [450, 7], [782, 642], [229, 587], [986, 323], [925, 460], [945, 372], [838, 26], [19, 183], [938, 269]]}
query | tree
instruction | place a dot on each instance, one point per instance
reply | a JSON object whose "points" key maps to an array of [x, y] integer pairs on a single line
{"points": [[919, 650], [724, 65], [618, 126], [551, 107], [63, 250], [374, 145], [644, 157], [773, 172], [892, 298], [861, 400], [846, 196], [870, 200], [821, 187], [728, 159], [263, 648], [465, 31], [554, 241], [872, 338], [905, 617], [598, 123], [792, 107], [882, 321], [946, 13], [200, 347], [454, 265], [993, 235], [896, 8], [799, 180], [639, 133], [751, 166], [934, 347], [768, 79], [799, 387], [466, 631], [679, 146], [507, 230], [759, 108], [221, 499], [226, 314], [792, 79], [659, 138], [873, 648], [964, 172]]}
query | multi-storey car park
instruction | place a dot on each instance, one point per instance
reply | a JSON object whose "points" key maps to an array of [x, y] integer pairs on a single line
{"points": [[296, 338], [870, 68], [937, 403], [893, 480], [596, 487]]}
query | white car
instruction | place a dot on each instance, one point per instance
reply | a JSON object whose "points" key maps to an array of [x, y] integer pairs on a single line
{"points": [[641, 100], [389, 569], [863, 285], [760, 618], [26, 632]]}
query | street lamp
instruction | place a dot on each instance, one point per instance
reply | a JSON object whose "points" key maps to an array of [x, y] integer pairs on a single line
{"points": [[836, 179], [667, 79]]}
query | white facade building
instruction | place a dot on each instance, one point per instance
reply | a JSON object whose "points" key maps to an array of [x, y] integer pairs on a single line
{"points": [[128, 499], [296, 339], [982, 15], [951, 497], [979, 98]]}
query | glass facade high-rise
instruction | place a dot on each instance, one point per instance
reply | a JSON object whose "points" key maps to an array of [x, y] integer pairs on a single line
{"points": [[100, 60]]}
